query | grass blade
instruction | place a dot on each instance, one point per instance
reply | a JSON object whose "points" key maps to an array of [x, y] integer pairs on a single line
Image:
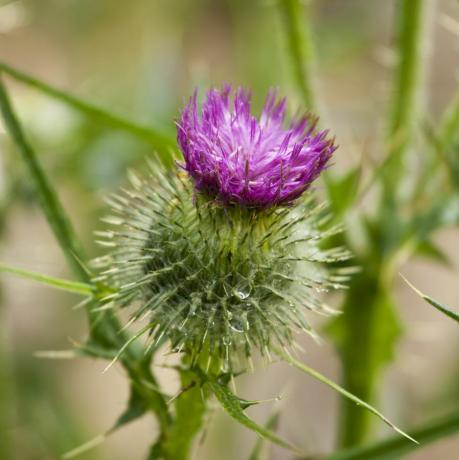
{"points": [[443, 308], [342, 391], [160, 141], [64, 285], [395, 446]]}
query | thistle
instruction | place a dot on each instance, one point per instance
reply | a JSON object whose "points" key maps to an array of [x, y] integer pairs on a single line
{"points": [[226, 256]]}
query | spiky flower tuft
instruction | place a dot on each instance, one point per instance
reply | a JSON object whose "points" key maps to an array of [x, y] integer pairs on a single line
{"points": [[223, 272], [237, 158]]}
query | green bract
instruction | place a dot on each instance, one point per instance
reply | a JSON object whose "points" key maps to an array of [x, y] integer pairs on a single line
{"points": [[217, 281]]}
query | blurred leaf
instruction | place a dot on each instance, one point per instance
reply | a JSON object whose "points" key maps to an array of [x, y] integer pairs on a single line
{"points": [[443, 308], [342, 191], [271, 425], [430, 250], [65, 285], [232, 406], [342, 391], [164, 144], [395, 447]]}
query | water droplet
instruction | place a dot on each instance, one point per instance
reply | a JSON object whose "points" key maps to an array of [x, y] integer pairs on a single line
{"points": [[240, 323], [242, 295]]}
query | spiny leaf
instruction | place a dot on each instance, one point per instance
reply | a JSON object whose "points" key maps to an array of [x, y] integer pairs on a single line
{"points": [[342, 391], [232, 406], [65, 285], [443, 308], [137, 406], [160, 141]]}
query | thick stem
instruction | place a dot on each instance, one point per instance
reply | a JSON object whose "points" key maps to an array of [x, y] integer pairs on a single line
{"points": [[369, 329], [369, 321], [408, 83], [300, 50]]}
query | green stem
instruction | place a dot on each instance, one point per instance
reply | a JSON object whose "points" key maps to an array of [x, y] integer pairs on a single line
{"points": [[160, 141], [52, 207], [407, 84], [299, 43], [105, 327], [368, 311], [396, 446]]}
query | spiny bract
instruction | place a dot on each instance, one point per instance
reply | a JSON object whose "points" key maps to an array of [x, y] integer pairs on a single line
{"points": [[217, 281]]}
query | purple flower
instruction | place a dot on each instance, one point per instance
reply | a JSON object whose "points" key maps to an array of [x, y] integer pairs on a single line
{"points": [[237, 158]]}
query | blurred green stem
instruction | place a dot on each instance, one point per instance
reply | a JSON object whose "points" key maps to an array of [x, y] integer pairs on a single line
{"points": [[52, 208], [105, 327], [407, 85], [299, 43], [450, 122], [369, 322], [396, 446]]}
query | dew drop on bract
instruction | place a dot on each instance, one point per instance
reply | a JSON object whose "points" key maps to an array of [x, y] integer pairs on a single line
{"points": [[240, 323]]}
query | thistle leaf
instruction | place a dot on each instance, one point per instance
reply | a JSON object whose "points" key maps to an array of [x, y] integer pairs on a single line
{"points": [[137, 406], [443, 308], [233, 407], [342, 391], [64, 285]]}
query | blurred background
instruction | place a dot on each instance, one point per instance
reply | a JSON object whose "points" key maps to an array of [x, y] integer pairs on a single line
{"points": [[142, 59]]}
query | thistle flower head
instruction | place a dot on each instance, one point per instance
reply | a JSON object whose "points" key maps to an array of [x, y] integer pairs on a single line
{"points": [[224, 277], [237, 158]]}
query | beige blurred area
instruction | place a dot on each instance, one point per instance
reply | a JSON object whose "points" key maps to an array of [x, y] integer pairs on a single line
{"points": [[142, 59]]}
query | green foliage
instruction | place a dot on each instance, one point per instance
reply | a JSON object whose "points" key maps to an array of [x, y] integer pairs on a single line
{"points": [[234, 408]]}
